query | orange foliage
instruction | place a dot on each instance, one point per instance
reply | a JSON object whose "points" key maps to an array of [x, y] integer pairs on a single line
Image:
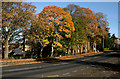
{"points": [[56, 17]]}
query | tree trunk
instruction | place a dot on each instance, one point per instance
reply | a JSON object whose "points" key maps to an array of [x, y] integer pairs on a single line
{"points": [[41, 52], [2, 50], [86, 48], [81, 48], [6, 49], [95, 47], [52, 51], [24, 46], [69, 51], [31, 53], [103, 43], [73, 51]]}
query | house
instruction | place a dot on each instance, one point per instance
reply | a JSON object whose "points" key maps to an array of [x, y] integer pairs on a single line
{"points": [[117, 43], [18, 52]]}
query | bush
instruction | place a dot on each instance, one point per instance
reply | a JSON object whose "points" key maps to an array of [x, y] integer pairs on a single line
{"points": [[106, 48]]}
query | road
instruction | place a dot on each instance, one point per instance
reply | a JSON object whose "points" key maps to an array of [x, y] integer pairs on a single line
{"points": [[103, 65]]}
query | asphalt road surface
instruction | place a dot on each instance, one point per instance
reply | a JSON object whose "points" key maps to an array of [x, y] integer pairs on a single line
{"points": [[103, 65]]}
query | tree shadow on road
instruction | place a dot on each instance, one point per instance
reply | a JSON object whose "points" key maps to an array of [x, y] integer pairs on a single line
{"points": [[106, 66]]}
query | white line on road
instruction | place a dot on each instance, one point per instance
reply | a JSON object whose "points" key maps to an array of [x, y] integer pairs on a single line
{"points": [[66, 73], [53, 76], [74, 71]]}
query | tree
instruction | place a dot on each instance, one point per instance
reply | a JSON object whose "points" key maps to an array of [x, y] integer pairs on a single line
{"points": [[85, 23], [26, 18], [60, 21], [13, 19], [102, 25], [110, 41], [39, 32]]}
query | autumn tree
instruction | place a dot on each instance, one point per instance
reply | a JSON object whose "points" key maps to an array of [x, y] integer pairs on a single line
{"points": [[60, 21], [39, 32], [72, 43], [85, 23], [26, 19], [13, 21], [102, 25]]}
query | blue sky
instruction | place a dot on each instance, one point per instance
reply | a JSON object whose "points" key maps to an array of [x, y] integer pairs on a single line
{"points": [[108, 8]]}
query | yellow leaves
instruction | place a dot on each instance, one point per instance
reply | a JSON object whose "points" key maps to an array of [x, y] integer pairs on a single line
{"points": [[47, 36], [60, 37], [67, 25], [51, 18], [68, 36], [56, 21], [46, 41], [53, 45], [58, 44], [99, 39], [60, 19], [73, 28], [36, 36], [59, 29], [56, 35], [5, 23], [44, 45], [66, 30]]}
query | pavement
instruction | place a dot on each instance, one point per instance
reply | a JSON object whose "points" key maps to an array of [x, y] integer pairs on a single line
{"points": [[11, 62], [104, 66]]}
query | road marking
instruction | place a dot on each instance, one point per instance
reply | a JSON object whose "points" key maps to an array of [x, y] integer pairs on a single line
{"points": [[66, 73], [23, 69], [74, 71], [53, 76]]}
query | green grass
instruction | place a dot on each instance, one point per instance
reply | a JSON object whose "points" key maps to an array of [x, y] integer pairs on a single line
{"points": [[106, 48]]}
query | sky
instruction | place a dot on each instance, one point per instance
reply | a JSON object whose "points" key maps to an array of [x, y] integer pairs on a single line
{"points": [[108, 8]]}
